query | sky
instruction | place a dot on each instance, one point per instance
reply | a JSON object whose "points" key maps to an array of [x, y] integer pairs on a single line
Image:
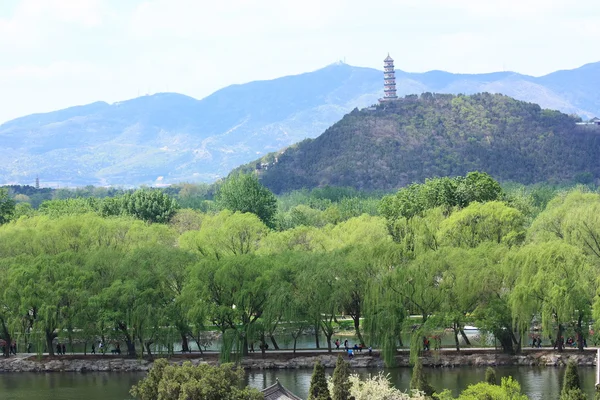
{"points": [[60, 53]]}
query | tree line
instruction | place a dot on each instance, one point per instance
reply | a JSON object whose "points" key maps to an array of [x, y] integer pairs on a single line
{"points": [[431, 258]]}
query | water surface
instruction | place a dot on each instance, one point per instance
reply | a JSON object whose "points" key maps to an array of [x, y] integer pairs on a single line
{"points": [[538, 383]]}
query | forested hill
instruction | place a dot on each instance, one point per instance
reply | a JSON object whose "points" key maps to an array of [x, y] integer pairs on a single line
{"points": [[432, 135]]}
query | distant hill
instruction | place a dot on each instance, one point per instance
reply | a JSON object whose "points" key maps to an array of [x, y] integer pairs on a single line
{"points": [[433, 135], [168, 137]]}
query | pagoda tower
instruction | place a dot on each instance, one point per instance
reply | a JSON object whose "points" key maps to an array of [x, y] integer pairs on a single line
{"points": [[389, 80]]}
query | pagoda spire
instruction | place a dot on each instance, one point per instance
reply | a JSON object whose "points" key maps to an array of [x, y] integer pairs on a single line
{"points": [[389, 80]]}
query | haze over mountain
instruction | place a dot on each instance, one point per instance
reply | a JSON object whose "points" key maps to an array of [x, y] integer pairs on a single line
{"points": [[169, 137]]}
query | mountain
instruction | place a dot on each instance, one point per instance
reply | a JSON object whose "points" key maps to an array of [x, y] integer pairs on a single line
{"points": [[169, 137], [432, 135]]}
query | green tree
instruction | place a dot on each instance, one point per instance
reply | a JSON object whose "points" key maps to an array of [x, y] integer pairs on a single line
{"points": [[553, 282], [318, 384], [227, 233], [341, 382], [244, 193], [7, 206], [480, 222], [201, 382], [508, 389], [571, 389], [150, 205], [235, 290], [477, 186]]}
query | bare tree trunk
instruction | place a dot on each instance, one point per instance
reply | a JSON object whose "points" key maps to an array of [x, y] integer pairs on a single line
{"points": [[464, 336], [456, 342], [559, 342], [50, 335], [275, 346], [185, 347]]}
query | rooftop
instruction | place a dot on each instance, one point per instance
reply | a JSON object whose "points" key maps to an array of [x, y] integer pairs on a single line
{"points": [[278, 392]]}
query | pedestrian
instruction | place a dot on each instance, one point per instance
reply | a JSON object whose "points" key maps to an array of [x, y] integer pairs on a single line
{"points": [[58, 349], [337, 344], [93, 348], [346, 344], [64, 349], [118, 348], [370, 351], [101, 347]]}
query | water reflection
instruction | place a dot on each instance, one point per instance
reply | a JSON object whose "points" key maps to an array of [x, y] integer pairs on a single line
{"points": [[537, 383]]}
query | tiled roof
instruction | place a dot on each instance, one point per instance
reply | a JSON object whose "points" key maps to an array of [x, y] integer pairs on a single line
{"points": [[278, 392]]}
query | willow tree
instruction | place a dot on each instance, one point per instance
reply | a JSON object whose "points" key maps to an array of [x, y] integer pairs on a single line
{"points": [[225, 234], [323, 292], [235, 288], [365, 248], [46, 292], [554, 283], [493, 280], [573, 217], [483, 222], [384, 313], [463, 285]]}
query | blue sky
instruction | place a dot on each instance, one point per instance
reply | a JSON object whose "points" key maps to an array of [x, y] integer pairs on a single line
{"points": [[59, 53]]}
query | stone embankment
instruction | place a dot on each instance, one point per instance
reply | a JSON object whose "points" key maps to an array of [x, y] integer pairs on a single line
{"points": [[285, 360]]}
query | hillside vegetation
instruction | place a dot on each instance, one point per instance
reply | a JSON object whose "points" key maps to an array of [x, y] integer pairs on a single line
{"points": [[439, 135]]}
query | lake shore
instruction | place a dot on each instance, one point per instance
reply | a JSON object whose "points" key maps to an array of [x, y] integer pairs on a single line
{"points": [[446, 358]]}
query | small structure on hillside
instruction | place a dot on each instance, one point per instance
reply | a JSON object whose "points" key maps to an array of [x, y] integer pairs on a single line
{"points": [[592, 122], [278, 392], [389, 80]]}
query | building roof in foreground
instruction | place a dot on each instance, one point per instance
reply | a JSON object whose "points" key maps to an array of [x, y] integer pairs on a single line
{"points": [[278, 392]]}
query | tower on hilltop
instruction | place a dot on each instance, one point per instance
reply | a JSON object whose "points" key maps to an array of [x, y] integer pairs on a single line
{"points": [[389, 80]]}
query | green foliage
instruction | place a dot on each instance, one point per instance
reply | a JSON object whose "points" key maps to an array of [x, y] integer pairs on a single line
{"points": [[571, 389], [150, 205], [478, 223], [341, 382], [7, 206], [318, 384], [419, 380], [444, 193], [490, 376], [244, 193], [201, 382], [508, 389]]}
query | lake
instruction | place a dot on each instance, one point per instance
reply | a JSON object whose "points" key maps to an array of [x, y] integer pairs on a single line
{"points": [[537, 383]]}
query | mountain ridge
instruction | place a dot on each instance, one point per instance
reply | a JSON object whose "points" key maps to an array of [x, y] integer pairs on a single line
{"points": [[170, 137]]}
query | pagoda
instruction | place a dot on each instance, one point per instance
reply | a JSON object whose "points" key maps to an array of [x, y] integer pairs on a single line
{"points": [[389, 80]]}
